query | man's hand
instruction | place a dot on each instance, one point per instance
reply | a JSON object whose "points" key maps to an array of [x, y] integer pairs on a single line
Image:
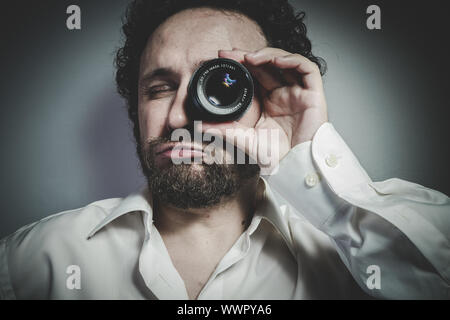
{"points": [[293, 100]]}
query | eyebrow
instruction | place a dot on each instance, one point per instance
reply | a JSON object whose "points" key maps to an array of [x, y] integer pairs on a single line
{"points": [[157, 73], [164, 72]]}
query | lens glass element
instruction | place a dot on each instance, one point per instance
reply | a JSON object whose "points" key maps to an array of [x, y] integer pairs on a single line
{"points": [[222, 88]]}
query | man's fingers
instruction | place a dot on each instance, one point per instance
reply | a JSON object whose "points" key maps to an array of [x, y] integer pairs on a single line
{"points": [[265, 55], [268, 76], [308, 70], [267, 61], [266, 64], [311, 77], [235, 54]]}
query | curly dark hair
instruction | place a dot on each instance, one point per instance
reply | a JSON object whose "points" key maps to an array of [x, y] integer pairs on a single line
{"points": [[282, 27]]}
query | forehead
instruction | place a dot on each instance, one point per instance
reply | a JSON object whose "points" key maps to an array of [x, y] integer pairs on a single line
{"points": [[195, 34]]}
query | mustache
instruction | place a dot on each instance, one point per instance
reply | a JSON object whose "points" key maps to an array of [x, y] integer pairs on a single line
{"points": [[153, 144]]}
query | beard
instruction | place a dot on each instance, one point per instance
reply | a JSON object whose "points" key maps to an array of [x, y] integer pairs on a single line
{"points": [[193, 186]]}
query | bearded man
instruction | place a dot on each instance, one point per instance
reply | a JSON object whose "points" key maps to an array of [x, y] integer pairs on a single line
{"points": [[313, 225]]}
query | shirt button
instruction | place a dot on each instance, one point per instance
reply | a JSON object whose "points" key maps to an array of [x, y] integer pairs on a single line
{"points": [[311, 179], [331, 161]]}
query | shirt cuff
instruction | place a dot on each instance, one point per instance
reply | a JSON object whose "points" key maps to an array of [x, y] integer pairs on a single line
{"points": [[313, 174]]}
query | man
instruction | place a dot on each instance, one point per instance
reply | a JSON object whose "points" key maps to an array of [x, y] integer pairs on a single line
{"points": [[315, 227]]}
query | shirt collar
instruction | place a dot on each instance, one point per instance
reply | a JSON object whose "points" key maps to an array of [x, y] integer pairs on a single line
{"points": [[139, 201], [268, 209]]}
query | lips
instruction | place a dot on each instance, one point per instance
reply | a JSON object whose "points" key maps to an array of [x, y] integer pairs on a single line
{"points": [[182, 149]]}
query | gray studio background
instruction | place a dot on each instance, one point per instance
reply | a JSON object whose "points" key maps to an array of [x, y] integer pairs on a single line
{"points": [[66, 139]]}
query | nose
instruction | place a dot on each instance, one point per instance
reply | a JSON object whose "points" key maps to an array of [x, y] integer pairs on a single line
{"points": [[177, 117]]}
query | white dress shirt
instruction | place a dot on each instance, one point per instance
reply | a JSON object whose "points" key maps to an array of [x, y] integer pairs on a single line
{"points": [[323, 230]]}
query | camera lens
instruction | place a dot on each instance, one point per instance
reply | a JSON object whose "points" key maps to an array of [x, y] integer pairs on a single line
{"points": [[220, 90]]}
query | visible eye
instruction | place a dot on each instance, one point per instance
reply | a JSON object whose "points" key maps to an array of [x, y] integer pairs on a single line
{"points": [[158, 91]]}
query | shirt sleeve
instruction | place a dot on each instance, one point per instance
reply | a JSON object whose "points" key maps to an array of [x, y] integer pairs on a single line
{"points": [[392, 235]]}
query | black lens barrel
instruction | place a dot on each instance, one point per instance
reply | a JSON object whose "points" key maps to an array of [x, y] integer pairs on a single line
{"points": [[220, 90]]}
